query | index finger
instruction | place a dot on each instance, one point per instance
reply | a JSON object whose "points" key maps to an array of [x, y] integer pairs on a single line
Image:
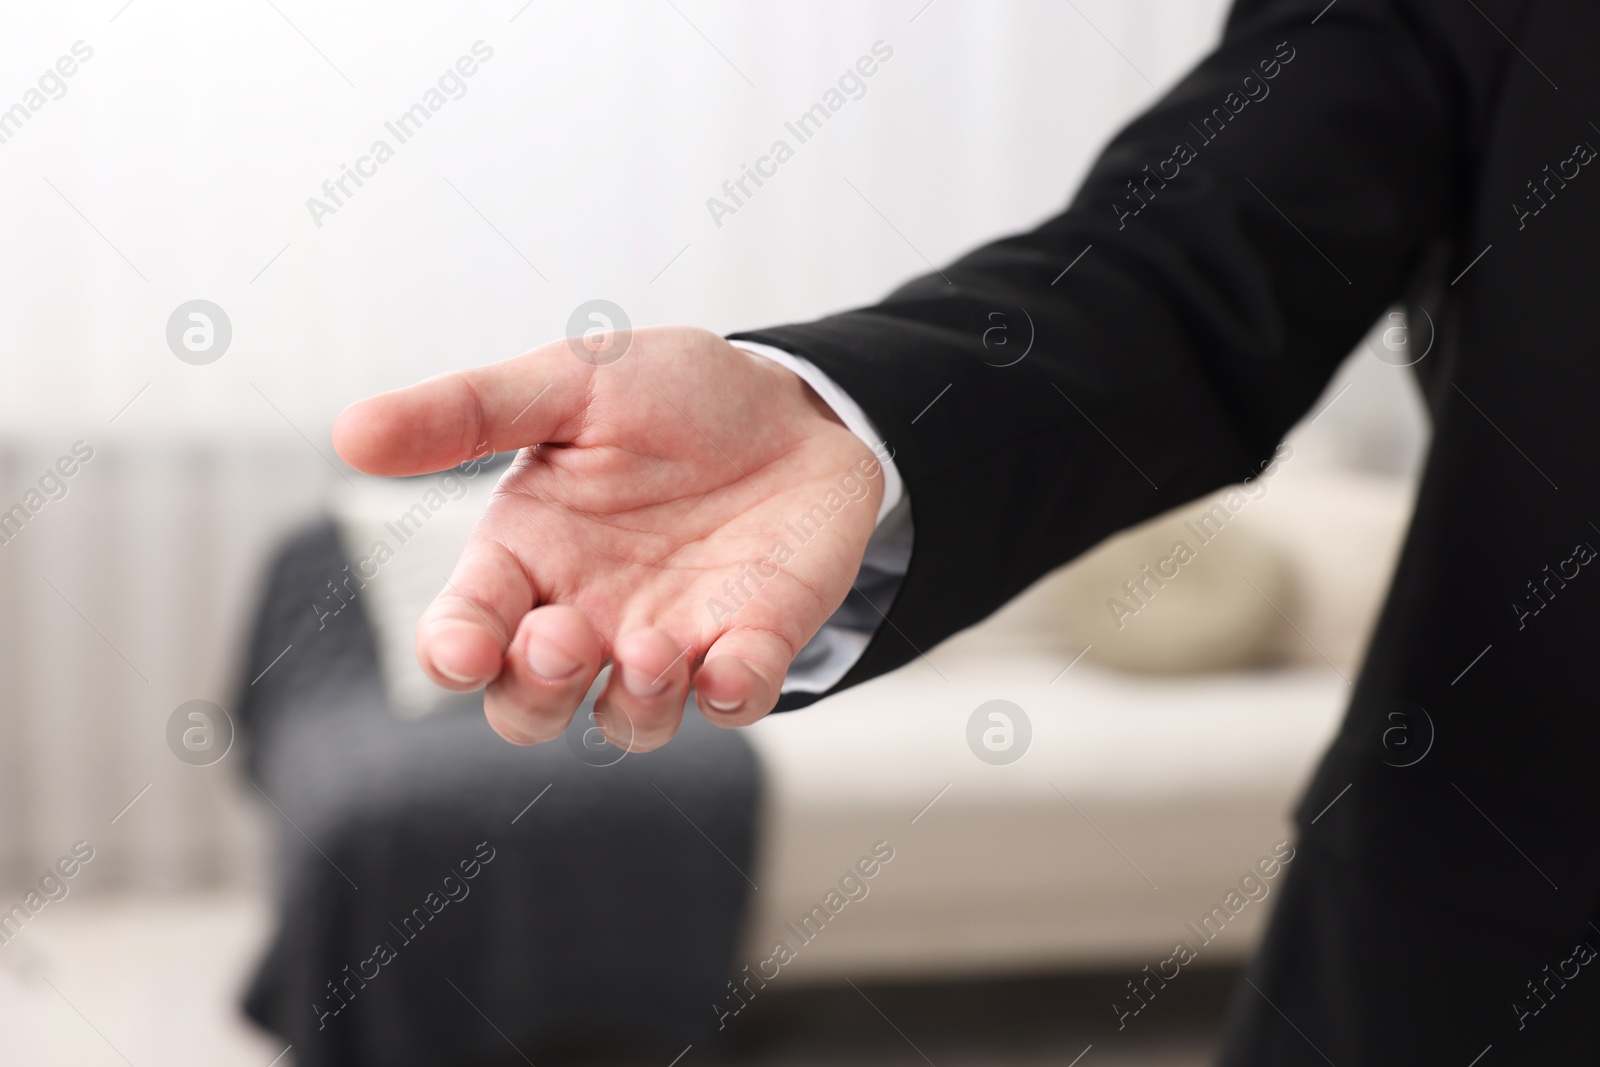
{"points": [[531, 399]]}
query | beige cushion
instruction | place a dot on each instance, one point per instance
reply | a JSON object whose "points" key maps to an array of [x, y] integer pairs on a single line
{"points": [[1188, 591], [1318, 545], [1342, 532]]}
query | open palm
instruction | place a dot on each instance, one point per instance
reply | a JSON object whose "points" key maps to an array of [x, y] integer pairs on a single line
{"points": [[690, 512]]}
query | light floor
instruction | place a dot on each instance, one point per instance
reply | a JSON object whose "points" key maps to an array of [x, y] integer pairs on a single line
{"points": [[114, 981], [133, 981]]}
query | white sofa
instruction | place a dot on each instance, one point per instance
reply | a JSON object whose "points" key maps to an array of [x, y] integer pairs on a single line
{"points": [[1140, 802]]}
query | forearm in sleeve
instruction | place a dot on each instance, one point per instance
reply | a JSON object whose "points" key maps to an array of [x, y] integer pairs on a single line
{"points": [[1229, 247]]}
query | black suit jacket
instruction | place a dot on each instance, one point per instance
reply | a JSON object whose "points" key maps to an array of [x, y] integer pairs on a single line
{"points": [[1228, 249]]}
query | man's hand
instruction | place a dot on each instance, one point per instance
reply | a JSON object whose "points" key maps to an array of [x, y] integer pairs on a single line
{"points": [[691, 512]]}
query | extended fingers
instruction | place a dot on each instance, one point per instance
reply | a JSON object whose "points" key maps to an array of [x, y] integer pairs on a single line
{"points": [[548, 668], [462, 637], [642, 705]]}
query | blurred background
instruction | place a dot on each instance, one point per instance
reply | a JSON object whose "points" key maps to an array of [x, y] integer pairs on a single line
{"points": [[177, 163]]}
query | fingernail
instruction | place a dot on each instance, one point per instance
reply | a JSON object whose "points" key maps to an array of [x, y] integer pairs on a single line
{"points": [[459, 679], [641, 684], [726, 707], [549, 662]]}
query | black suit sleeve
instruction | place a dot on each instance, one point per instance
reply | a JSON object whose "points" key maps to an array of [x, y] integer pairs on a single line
{"points": [[1229, 247]]}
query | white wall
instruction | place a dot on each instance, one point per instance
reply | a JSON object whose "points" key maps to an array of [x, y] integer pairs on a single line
{"points": [[194, 136]]}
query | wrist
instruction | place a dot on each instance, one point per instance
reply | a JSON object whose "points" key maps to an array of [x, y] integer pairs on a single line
{"points": [[814, 417], [887, 485]]}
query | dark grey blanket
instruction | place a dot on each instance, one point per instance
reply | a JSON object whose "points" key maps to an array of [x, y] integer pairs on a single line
{"points": [[427, 914]]}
